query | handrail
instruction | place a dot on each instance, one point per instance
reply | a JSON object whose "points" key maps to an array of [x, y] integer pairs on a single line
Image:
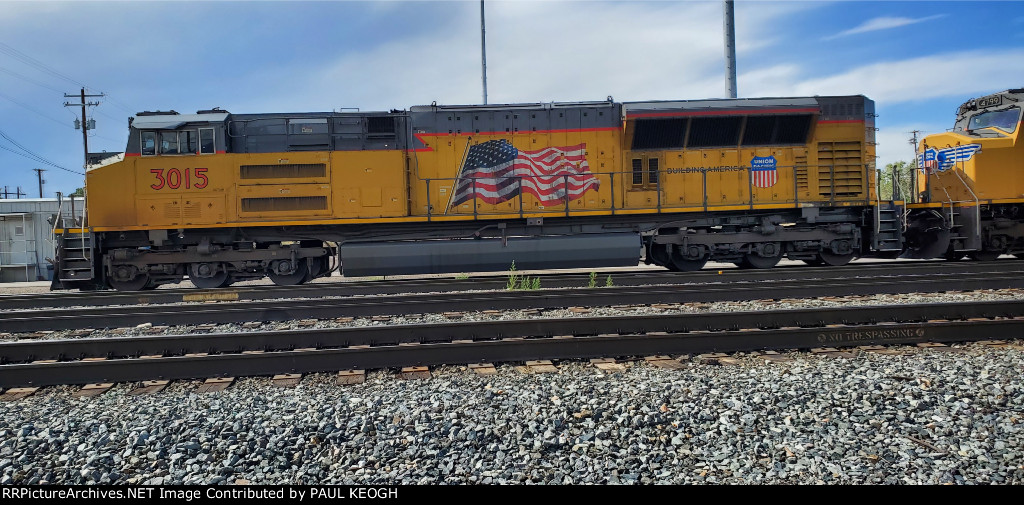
{"points": [[977, 202], [58, 220], [438, 205]]}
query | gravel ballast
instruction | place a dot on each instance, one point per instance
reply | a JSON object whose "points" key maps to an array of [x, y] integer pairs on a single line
{"points": [[924, 418]]}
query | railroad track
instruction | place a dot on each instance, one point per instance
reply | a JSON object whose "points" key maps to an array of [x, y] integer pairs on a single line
{"points": [[169, 357], [376, 305], [496, 282]]}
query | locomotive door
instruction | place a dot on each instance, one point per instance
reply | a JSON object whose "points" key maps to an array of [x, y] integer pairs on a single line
{"points": [[642, 185]]}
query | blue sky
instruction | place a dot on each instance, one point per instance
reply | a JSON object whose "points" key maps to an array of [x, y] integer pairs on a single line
{"points": [[917, 60]]}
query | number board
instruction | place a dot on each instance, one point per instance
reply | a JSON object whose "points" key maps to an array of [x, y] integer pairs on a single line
{"points": [[989, 101]]}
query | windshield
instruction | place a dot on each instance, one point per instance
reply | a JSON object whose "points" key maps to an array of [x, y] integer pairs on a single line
{"points": [[1005, 120]]}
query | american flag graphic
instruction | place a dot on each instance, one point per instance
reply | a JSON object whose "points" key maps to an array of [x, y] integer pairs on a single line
{"points": [[495, 171], [762, 171]]}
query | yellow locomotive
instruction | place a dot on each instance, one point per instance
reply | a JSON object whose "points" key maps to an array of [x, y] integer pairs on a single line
{"points": [[220, 197], [970, 188]]}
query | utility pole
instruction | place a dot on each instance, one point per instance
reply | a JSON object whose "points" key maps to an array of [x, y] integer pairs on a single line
{"points": [[730, 49], [87, 124], [39, 175], [483, 49], [17, 193]]}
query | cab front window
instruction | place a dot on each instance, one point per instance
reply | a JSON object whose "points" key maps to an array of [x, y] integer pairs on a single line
{"points": [[168, 142], [1005, 120]]}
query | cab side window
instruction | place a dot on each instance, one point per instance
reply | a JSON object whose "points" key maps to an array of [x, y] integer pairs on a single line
{"points": [[206, 142], [187, 142], [148, 143]]}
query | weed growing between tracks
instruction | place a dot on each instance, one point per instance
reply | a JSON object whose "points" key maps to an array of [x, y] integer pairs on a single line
{"points": [[518, 282]]}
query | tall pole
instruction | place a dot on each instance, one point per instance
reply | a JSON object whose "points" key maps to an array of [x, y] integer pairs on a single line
{"points": [[85, 120], [39, 175], [730, 50], [483, 49], [85, 134]]}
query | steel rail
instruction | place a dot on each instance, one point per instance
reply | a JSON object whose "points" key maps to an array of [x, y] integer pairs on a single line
{"points": [[497, 281], [283, 310], [502, 341], [145, 345]]}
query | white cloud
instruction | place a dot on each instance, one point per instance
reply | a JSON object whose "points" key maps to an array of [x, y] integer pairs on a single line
{"points": [[915, 79], [882, 23], [536, 51], [894, 141]]}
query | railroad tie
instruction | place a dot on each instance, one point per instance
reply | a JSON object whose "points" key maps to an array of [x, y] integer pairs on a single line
{"points": [[287, 380], [351, 377], [215, 384], [664, 362], [608, 365], [938, 347], [483, 368], [832, 352], [773, 357], [90, 390], [149, 387], [16, 394], [540, 366], [414, 373]]}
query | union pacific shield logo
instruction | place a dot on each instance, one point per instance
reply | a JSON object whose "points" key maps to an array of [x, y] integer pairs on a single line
{"points": [[762, 171]]}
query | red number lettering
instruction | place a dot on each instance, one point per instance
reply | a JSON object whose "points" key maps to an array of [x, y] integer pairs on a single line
{"points": [[159, 177], [173, 178], [201, 179], [187, 185]]}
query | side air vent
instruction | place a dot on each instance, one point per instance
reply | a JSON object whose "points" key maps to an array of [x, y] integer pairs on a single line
{"points": [[284, 204], [291, 171]]}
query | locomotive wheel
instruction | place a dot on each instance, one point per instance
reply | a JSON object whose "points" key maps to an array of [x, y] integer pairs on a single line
{"points": [[762, 262], [1019, 256], [984, 255], [955, 255], [293, 279], [137, 283], [835, 260], [684, 265], [660, 256], [687, 264], [219, 280]]}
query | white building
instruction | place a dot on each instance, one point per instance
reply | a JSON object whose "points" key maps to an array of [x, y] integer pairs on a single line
{"points": [[26, 237]]}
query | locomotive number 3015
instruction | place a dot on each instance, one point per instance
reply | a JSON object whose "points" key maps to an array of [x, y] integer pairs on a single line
{"points": [[194, 178]]}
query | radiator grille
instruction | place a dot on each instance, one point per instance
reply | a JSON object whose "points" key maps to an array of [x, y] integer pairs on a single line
{"points": [[840, 169], [284, 171], [284, 203]]}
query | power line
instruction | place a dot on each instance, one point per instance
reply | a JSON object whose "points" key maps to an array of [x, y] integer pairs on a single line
{"points": [[38, 65], [62, 123], [23, 155], [26, 79], [32, 62], [31, 155]]}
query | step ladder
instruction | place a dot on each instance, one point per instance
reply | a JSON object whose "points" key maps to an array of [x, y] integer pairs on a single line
{"points": [[75, 255], [963, 230], [889, 227]]}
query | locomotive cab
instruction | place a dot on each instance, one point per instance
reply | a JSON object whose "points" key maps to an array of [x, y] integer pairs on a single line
{"points": [[971, 180]]}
